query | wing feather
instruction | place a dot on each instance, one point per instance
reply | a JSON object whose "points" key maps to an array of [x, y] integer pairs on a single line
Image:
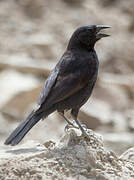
{"points": [[62, 82], [47, 86], [65, 87]]}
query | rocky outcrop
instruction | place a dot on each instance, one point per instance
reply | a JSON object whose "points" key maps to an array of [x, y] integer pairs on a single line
{"points": [[74, 157]]}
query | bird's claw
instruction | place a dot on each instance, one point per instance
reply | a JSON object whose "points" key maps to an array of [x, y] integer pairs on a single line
{"points": [[74, 124], [71, 125], [84, 126], [86, 134], [67, 127]]}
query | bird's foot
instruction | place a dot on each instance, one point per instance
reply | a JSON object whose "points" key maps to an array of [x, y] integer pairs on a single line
{"points": [[84, 126], [71, 125], [86, 134], [67, 127], [75, 125], [85, 131]]}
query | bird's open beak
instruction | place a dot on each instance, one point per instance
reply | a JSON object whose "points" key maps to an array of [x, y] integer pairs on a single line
{"points": [[101, 35]]}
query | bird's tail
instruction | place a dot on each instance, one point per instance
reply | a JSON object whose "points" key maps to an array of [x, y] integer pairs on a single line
{"points": [[18, 134]]}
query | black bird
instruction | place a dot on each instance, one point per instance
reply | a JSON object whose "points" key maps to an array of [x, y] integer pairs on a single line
{"points": [[70, 83]]}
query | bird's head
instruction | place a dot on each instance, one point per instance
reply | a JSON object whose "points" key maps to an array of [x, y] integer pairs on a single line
{"points": [[87, 36]]}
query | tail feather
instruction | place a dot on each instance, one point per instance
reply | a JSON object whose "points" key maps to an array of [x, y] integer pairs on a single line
{"points": [[18, 134]]}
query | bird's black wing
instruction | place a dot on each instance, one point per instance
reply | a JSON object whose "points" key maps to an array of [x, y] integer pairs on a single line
{"points": [[48, 85], [62, 83], [51, 80]]}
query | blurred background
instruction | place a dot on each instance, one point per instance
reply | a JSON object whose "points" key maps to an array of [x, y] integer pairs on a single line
{"points": [[34, 35]]}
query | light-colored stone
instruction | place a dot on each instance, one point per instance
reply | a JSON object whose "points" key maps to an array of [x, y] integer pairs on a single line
{"points": [[80, 157]]}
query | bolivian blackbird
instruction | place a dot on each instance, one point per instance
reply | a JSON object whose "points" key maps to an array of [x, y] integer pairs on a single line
{"points": [[70, 83]]}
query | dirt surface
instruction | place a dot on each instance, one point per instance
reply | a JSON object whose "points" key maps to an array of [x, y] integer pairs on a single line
{"points": [[74, 157]]}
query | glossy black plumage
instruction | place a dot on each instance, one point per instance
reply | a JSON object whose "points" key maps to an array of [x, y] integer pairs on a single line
{"points": [[71, 82]]}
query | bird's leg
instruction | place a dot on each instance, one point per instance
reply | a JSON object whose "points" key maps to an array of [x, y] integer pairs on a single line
{"points": [[74, 113], [68, 121]]}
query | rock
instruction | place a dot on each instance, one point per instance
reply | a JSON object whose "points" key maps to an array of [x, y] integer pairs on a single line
{"points": [[78, 156], [11, 84], [41, 47], [118, 142], [98, 109], [33, 8], [130, 119], [27, 65], [89, 120], [73, 2], [21, 103], [128, 155], [112, 90]]}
